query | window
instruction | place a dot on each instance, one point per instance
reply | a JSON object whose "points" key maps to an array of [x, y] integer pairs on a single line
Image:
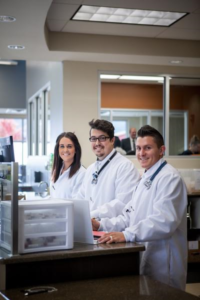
{"points": [[39, 122], [171, 105], [123, 120], [17, 127]]}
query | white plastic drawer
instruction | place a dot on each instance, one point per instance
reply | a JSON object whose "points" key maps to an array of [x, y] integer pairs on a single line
{"points": [[48, 227], [6, 225], [45, 242], [45, 214]]}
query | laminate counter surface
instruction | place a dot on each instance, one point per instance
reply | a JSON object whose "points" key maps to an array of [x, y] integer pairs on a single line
{"points": [[122, 288], [79, 250]]}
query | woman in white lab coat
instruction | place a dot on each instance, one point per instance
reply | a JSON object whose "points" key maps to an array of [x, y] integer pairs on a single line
{"points": [[67, 171]]}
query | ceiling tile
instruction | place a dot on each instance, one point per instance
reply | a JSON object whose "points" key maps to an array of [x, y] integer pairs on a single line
{"points": [[55, 25], [169, 5], [180, 34], [191, 21]]}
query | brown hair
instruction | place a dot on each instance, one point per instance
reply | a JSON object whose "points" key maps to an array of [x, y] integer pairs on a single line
{"points": [[104, 126], [58, 162]]}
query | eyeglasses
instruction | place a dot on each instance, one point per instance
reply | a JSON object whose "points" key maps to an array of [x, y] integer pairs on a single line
{"points": [[101, 138]]}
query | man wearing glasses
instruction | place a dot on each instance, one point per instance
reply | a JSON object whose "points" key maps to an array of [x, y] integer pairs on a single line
{"points": [[109, 182]]}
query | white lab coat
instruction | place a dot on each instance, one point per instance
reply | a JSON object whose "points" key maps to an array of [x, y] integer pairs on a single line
{"points": [[157, 218], [114, 187], [65, 187]]}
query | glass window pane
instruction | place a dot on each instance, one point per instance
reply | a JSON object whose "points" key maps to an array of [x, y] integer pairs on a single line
{"points": [[48, 120], [176, 129], [120, 129], [32, 128], [18, 152], [24, 129], [185, 104], [40, 124], [105, 115], [157, 122], [11, 127], [132, 118], [16, 128]]}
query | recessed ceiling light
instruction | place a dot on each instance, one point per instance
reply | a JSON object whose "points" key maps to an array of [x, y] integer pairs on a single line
{"points": [[8, 62], [16, 47], [176, 62], [7, 19], [126, 16], [107, 76]]}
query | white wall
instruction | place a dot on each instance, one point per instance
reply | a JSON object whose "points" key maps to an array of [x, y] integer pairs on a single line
{"points": [[38, 75]]}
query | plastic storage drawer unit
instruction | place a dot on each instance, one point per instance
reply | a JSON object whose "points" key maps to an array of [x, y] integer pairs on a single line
{"points": [[44, 225]]}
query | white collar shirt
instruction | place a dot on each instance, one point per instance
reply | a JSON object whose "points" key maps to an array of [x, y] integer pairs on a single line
{"points": [[65, 187]]}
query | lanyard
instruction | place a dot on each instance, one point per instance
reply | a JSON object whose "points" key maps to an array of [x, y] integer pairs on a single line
{"points": [[148, 182], [96, 174]]}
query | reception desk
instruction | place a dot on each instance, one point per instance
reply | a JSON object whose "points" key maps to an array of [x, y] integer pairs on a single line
{"points": [[82, 262]]}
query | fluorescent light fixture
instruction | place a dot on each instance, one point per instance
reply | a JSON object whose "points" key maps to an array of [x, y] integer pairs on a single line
{"points": [[16, 47], [106, 76], [127, 16], [8, 62], [7, 19], [142, 78]]}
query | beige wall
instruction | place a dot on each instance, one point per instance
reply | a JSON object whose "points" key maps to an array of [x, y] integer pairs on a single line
{"points": [[80, 89], [81, 99]]}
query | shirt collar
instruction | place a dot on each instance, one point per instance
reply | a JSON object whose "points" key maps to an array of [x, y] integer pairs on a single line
{"points": [[152, 170], [66, 171], [102, 162]]}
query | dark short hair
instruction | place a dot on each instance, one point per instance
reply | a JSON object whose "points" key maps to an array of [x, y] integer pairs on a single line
{"points": [[104, 126], [58, 162], [117, 142], [150, 131]]}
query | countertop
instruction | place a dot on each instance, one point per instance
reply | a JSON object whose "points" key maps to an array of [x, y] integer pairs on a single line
{"points": [[122, 288], [83, 262], [79, 250]]}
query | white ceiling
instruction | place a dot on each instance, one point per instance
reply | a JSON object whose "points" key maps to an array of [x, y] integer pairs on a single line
{"points": [[85, 41]]}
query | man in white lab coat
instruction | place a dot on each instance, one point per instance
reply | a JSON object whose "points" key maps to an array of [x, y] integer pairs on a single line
{"points": [[156, 215], [109, 182]]}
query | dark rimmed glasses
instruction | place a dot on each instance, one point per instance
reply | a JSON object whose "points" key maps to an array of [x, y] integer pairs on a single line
{"points": [[101, 138]]}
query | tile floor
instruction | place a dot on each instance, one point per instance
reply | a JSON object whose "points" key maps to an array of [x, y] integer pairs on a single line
{"points": [[193, 288]]}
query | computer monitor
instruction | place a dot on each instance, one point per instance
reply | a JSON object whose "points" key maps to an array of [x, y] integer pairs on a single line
{"points": [[7, 149]]}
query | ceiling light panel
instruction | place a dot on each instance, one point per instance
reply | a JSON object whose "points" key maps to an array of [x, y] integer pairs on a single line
{"points": [[108, 76], [127, 16]]}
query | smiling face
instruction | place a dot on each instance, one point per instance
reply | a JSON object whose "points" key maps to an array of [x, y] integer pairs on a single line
{"points": [[147, 151], [101, 149], [66, 151]]}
